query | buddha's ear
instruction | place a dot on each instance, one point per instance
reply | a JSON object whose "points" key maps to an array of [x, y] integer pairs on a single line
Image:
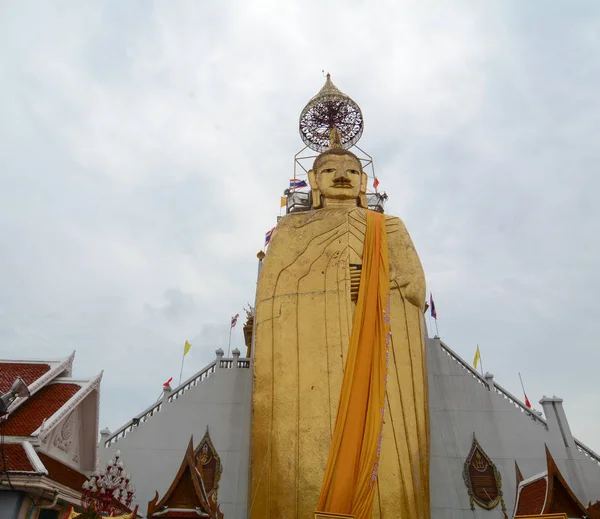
{"points": [[312, 179], [362, 197], [316, 192]]}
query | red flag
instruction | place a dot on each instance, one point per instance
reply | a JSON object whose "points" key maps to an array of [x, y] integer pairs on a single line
{"points": [[527, 402], [168, 382], [375, 182]]}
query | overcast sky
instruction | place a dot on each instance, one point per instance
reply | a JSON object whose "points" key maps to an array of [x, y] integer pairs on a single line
{"points": [[144, 146]]}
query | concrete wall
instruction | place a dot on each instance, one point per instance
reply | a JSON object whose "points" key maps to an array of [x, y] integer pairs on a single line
{"points": [[10, 504], [460, 405], [153, 451]]}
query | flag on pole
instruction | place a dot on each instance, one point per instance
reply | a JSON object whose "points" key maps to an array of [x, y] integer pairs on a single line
{"points": [[375, 182], [296, 183], [527, 402], [268, 236], [234, 320], [186, 348], [432, 306], [477, 358], [168, 382], [283, 201]]}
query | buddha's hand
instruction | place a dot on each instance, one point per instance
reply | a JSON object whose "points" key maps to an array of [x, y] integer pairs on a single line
{"points": [[411, 288]]}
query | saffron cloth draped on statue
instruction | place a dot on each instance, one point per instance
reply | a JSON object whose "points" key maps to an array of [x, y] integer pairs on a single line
{"points": [[348, 486]]}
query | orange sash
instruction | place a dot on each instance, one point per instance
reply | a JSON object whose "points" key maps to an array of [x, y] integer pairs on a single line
{"points": [[349, 482]]}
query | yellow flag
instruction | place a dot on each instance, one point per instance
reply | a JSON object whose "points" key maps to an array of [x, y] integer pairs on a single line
{"points": [[186, 348], [283, 201], [477, 358]]}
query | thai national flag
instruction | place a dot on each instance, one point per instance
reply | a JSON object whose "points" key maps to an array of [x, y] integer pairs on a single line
{"points": [[268, 236], [296, 183], [234, 320], [432, 305]]}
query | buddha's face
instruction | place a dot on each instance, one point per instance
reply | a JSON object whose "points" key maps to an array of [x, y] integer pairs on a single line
{"points": [[337, 177]]}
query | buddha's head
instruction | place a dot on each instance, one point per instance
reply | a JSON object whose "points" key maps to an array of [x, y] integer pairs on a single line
{"points": [[337, 175]]}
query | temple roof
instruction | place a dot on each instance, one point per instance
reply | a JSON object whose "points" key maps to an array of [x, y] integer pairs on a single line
{"points": [[28, 418], [187, 496], [17, 459], [62, 473], [54, 395], [22, 459], [29, 372], [35, 373], [547, 493], [532, 495]]}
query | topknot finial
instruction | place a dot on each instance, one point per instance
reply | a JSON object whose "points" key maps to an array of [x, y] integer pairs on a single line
{"points": [[335, 139]]}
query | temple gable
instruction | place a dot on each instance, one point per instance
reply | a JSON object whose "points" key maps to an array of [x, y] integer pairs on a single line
{"points": [[192, 492]]}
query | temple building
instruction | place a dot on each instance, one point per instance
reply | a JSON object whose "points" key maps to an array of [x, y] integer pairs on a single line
{"points": [[49, 437], [464, 407], [211, 408]]}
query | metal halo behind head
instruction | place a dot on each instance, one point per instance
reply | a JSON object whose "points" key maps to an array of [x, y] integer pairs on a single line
{"points": [[330, 109]]}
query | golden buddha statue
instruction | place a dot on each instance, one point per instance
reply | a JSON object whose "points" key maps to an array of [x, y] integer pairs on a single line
{"points": [[340, 413]]}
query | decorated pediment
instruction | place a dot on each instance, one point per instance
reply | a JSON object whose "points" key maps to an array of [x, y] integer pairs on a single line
{"points": [[208, 464], [483, 481]]}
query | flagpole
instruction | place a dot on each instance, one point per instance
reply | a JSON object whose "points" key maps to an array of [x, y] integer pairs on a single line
{"points": [[181, 371], [523, 387], [437, 331], [229, 346], [430, 327]]}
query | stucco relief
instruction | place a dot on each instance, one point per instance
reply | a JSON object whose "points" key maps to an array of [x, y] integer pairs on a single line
{"points": [[63, 439]]}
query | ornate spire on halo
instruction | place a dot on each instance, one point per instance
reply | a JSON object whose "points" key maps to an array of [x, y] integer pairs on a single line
{"points": [[330, 109]]}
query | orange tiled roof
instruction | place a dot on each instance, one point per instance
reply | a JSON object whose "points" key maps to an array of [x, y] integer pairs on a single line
{"points": [[532, 498], [16, 458], [9, 371], [61, 473], [43, 404]]}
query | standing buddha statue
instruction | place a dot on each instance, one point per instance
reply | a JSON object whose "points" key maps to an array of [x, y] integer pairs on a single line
{"points": [[339, 403]]}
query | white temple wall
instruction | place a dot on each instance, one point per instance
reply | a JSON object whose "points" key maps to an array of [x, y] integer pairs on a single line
{"points": [[461, 405], [154, 451]]}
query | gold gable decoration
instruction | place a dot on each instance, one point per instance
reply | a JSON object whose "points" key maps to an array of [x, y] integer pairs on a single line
{"points": [[483, 481], [208, 464], [72, 514]]}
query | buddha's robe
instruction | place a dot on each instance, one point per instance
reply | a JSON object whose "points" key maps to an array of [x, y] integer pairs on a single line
{"points": [[303, 322]]}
